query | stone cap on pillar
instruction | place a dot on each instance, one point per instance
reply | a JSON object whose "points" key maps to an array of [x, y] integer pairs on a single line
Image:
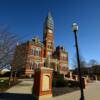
{"points": [[44, 69]]}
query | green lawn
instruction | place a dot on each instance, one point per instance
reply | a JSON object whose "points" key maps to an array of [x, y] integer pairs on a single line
{"points": [[4, 83]]}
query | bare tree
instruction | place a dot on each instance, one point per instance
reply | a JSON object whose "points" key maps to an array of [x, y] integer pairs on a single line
{"points": [[94, 67], [82, 61], [7, 46], [20, 57], [83, 65], [93, 62]]}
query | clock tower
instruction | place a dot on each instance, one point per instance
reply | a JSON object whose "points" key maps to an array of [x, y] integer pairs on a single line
{"points": [[48, 36]]}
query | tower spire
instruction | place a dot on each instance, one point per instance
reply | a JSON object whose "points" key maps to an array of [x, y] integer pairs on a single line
{"points": [[48, 36], [49, 23]]}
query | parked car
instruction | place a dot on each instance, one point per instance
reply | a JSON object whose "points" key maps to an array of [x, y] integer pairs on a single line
{"points": [[5, 69]]}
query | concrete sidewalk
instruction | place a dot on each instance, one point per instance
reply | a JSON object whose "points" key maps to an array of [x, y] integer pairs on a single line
{"points": [[24, 87], [92, 92]]}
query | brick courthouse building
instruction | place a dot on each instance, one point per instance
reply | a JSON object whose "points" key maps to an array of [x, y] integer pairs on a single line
{"points": [[34, 53]]}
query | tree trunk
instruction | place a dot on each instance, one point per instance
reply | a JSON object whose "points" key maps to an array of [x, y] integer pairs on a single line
{"points": [[10, 77]]}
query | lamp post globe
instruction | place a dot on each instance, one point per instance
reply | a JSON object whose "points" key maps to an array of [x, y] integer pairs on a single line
{"points": [[74, 27]]}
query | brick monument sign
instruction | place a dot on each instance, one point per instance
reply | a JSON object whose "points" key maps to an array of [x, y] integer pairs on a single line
{"points": [[43, 83]]}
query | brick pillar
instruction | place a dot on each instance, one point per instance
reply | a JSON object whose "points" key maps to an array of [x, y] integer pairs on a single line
{"points": [[43, 83], [84, 82], [88, 79], [96, 77], [71, 76], [76, 77]]}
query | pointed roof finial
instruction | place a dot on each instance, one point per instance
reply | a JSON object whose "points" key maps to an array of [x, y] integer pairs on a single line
{"points": [[49, 14]]}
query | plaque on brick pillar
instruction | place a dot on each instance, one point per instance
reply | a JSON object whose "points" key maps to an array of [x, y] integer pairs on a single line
{"points": [[71, 76], [96, 77], [76, 77], [43, 83]]}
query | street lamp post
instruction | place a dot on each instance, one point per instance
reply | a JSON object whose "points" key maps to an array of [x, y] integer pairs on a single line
{"points": [[75, 29]]}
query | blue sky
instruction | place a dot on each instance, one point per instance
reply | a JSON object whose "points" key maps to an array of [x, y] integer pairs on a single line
{"points": [[25, 18]]}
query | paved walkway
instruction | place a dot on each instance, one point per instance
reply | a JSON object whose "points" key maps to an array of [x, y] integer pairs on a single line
{"points": [[23, 91], [24, 87], [92, 92]]}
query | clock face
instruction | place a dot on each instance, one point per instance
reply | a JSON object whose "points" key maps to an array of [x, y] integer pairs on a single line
{"points": [[50, 31]]}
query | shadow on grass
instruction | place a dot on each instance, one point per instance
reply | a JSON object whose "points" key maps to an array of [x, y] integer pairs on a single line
{"points": [[14, 96], [5, 85], [63, 90]]}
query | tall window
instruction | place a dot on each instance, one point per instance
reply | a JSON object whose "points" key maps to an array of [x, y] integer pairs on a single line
{"points": [[32, 65], [37, 65], [32, 51], [38, 52]]}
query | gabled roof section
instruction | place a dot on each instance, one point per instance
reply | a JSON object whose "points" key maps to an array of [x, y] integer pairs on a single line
{"points": [[36, 41]]}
